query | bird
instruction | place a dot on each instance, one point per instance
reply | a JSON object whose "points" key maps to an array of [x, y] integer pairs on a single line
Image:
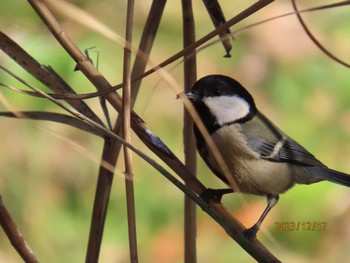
{"points": [[260, 157]]}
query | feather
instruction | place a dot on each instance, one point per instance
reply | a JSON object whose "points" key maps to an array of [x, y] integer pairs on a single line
{"points": [[272, 144]]}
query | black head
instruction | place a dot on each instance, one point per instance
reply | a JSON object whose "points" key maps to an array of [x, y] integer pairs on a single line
{"points": [[220, 101]]}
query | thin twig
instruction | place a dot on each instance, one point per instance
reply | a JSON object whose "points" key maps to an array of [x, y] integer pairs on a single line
{"points": [[234, 20], [15, 236], [168, 61], [217, 16], [190, 76], [68, 45], [45, 74], [217, 211], [235, 33], [101, 201], [53, 117], [111, 147], [126, 127], [314, 39], [254, 247]]}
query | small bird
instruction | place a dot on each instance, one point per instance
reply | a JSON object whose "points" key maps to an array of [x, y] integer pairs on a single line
{"points": [[261, 158]]}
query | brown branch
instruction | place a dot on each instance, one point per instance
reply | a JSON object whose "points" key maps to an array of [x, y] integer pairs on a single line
{"points": [[103, 189], [15, 236], [44, 74], [156, 143], [190, 76], [261, 22], [111, 147], [234, 20], [314, 39], [218, 18], [53, 117], [230, 224], [234, 229], [168, 61], [126, 111]]}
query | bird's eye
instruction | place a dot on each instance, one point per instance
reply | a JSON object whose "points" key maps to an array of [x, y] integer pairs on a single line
{"points": [[216, 92]]}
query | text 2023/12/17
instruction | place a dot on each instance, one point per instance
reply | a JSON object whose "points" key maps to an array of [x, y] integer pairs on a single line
{"points": [[300, 226]]}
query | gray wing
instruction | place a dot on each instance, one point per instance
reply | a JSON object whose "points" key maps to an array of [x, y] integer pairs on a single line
{"points": [[288, 150], [272, 144]]}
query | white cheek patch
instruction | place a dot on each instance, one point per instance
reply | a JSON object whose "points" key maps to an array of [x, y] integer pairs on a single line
{"points": [[227, 109]]}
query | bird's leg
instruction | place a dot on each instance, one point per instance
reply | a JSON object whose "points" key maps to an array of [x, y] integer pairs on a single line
{"points": [[250, 233], [215, 194]]}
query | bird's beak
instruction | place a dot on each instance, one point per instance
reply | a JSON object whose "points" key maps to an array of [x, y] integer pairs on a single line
{"points": [[188, 93]]}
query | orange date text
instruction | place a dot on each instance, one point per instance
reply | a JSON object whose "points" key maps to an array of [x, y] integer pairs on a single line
{"points": [[300, 226]]}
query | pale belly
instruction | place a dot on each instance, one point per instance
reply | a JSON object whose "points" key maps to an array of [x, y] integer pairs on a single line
{"points": [[262, 177], [251, 174]]}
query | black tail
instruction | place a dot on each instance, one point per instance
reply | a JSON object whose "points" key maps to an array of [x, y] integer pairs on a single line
{"points": [[337, 177]]}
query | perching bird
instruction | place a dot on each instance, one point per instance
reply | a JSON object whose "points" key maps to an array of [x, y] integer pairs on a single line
{"points": [[261, 158]]}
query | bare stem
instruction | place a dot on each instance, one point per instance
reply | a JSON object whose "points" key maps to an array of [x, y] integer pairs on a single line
{"points": [[234, 228], [190, 48], [190, 76], [112, 148], [15, 235], [314, 39], [103, 189], [126, 111]]}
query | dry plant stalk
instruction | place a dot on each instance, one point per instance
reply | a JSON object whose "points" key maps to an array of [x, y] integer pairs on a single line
{"points": [[190, 76], [111, 147], [126, 127], [215, 210], [139, 126], [314, 39], [255, 248], [15, 235], [230, 225]]}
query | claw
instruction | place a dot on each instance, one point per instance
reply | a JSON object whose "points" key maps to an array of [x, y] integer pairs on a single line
{"points": [[250, 233]]}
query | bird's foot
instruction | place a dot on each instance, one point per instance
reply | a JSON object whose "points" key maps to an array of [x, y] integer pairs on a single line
{"points": [[250, 233]]}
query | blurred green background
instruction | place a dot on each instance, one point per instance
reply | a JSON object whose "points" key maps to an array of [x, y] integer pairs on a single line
{"points": [[48, 171]]}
